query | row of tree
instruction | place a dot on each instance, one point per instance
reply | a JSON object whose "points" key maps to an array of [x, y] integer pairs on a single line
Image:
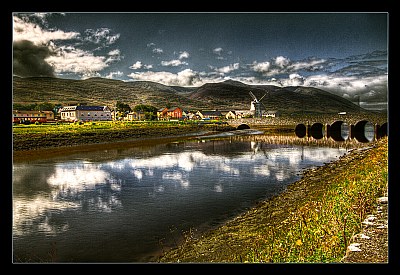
{"points": [[123, 109], [37, 107]]}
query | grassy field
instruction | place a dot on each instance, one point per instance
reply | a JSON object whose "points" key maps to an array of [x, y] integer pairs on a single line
{"points": [[33, 137], [311, 222], [57, 128]]}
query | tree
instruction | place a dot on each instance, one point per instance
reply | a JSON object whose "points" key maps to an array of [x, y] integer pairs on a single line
{"points": [[149, 111], [145, 108], [123, 109], [44, 107], [34, 107]]}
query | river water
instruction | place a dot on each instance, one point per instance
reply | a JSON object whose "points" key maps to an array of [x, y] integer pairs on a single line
{"points": [[127, 205]]}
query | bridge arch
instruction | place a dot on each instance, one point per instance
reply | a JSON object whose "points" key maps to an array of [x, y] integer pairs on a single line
{"points": [[338, 131], [242, 127], [382, 130], [358, 131], [316, 130], [300, 130]]}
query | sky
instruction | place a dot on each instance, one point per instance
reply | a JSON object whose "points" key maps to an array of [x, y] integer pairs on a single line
{"points": [[345, 53]]}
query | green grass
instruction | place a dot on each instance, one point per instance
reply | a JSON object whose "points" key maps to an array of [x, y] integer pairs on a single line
{"points": [[89, 126], [32, 137], [313, 227]]}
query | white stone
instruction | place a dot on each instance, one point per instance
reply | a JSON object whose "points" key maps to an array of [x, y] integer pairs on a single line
{"points": [[382, 200], [367, 222], [362, 236], [354, 247]]}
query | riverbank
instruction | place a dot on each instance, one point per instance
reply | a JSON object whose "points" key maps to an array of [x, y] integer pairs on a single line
{"points": [[315, 220], [42, 141]]}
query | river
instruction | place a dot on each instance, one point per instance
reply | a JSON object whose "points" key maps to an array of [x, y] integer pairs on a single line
{"points": [[127, 205]]}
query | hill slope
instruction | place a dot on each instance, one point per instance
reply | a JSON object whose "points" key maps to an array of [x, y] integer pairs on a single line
{"points": [[286, 99], [98, 91], [227, 95]]}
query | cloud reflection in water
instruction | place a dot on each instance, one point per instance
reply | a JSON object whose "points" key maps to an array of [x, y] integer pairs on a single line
{"points": [[99, 186]]}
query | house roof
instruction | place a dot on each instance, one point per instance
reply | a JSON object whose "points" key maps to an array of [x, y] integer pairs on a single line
{"points": [[173, 109], [83, 108], [210, 113], [31, 112]]}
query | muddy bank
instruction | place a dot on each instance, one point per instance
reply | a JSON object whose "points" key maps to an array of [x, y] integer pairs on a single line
{"points": [[50, 145]]}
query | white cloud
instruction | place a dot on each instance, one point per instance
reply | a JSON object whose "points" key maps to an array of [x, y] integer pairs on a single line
{"points": [[101, 36], [28, 31], [113, 75], [349, 85], [228, 69], [183, 54], [262, 67], [217, 51], [176, 62], [158, 50], [173, 63], [311, 65], [114, 52], [72, 60], [282, 61], [296, 80], [283, 65], [137, 65], [114, 55], [183, 78]]}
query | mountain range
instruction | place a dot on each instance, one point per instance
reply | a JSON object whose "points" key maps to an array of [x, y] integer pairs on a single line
{"points": [[226, 95]]}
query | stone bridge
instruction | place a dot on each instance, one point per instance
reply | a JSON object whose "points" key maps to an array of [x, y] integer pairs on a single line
{"points": [[363, 130], [319, 126]]}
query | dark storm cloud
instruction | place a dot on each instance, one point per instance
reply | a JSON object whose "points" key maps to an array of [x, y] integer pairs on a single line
{"points": [[29, 59]]}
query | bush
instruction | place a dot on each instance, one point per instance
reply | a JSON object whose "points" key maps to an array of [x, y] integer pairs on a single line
{"points": [[25, 122]]}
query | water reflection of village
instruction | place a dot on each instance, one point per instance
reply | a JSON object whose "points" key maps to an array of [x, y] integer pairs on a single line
{"points": [[292, 139]]}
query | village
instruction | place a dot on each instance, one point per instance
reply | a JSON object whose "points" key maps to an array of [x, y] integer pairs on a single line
{"points": [[85, 113]]}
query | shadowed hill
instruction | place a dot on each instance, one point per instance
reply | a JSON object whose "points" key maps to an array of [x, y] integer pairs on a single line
{"points": [[227, 95], [99, 91], [285, 99]]}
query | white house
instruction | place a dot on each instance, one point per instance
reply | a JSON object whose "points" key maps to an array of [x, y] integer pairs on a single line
{"points": [[85, 113], [271, 114]]}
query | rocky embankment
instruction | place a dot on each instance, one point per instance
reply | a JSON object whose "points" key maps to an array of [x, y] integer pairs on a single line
{"points": [[371, 245]]}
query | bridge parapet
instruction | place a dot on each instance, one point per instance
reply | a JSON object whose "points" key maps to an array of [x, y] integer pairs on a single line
{"points": [[350, 119]]}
